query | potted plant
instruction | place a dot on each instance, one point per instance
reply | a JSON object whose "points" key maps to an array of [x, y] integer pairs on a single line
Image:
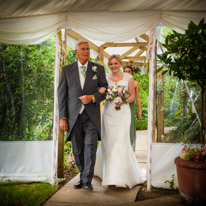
{"points": [[185, 58], [191, 173]]}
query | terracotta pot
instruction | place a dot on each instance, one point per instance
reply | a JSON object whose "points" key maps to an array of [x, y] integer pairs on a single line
{"points": [[191, 180]]}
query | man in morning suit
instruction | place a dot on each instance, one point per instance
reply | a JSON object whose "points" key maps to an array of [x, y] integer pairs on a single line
{"points": [[79, 100]]}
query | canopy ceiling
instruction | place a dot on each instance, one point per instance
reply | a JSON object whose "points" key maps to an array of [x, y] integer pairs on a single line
{"points": [[33, 21]]}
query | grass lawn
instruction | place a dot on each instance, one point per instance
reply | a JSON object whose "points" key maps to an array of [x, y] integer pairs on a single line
{"points": [[23, 194]]}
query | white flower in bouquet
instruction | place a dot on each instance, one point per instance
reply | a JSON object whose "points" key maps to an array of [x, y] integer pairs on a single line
{"points": [[117, 100], [117, 94]]}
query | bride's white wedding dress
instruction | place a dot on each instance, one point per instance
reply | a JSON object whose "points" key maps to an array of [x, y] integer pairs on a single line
{"points": [[116, 163]]}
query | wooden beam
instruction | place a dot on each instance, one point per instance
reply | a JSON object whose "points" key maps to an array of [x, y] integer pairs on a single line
{"points": [[78, 37], [133, 63], [145, 37], [136, 44], [129, 52], [101, 55], [139, 53], [143, 48], [136, 58]]}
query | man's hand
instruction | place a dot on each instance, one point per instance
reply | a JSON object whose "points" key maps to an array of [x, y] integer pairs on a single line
{"points": [[63, 124], [86, 99]]}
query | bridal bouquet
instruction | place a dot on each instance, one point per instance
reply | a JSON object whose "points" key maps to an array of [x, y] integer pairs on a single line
{"points": [[117, 94]]}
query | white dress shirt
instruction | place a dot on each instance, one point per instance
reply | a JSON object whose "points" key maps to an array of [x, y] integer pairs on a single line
{"points": [[82, 80]]}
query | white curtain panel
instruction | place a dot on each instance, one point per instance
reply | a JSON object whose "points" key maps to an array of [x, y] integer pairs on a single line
{"points": [[26, 161], [112, 26], [179, 20], [30, 30]]}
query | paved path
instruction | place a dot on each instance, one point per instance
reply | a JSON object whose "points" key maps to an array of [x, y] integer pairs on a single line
{"points": [[100, 196], [68, 196], [141, 148]]}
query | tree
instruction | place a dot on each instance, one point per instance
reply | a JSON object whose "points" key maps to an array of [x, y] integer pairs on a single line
{"points": [[185, 58], [27, 89]]}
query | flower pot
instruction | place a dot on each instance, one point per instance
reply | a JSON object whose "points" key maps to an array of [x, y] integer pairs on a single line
{"points": [[192, 181]]}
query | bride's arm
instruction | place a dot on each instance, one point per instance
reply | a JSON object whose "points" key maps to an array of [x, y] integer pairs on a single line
{"points": [[131, 90]]}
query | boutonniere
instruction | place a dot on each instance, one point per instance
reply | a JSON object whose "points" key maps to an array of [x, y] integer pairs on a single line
{"points": [[94, 68]]}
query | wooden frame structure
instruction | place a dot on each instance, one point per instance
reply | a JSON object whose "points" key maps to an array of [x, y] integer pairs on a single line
{"points": [[133, 56], [138, 47]]}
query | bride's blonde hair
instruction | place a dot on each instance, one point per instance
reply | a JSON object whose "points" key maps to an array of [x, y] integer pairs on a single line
{"points": [[116, 56]]}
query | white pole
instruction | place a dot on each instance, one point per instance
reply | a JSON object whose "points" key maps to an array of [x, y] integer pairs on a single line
{"points": [[150, 106]]}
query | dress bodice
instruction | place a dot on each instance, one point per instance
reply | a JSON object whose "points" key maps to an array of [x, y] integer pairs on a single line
{"points": [[110, 106], [123, 82]]}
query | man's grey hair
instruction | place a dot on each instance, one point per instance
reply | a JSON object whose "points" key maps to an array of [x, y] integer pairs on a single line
{"points": [[80, 42]]}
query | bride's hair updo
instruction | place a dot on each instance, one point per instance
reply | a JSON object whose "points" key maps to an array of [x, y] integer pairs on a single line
{"points": [[116, 56]]}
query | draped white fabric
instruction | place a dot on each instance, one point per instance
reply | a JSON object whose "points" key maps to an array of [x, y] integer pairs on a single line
{"points": [[113, 26], [26, 161], [30, 30], [31, 22]]}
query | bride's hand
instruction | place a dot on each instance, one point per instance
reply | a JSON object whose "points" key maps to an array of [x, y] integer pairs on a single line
{"points": [[120, 104], [102, 90]]}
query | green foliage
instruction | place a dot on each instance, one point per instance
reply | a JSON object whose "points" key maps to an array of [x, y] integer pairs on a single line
{"points": [[66, 161], [187, 131], [185, 55], [178, 110], [68, 155], [67, 151], [67, 146], [171, 100], [166, 31], [171, 182], [71, 57], [27, 90], [141, 124], [184, 58], [25, 194]]}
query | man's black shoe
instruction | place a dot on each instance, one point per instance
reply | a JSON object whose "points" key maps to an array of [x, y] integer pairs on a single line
{"points": [[87, 186], [78, 185]]}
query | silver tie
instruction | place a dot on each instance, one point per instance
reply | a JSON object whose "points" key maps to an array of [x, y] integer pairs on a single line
{"points": [[83, 70]]}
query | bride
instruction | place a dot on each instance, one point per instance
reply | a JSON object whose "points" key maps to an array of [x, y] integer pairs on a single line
{"points": [[116, 163]]}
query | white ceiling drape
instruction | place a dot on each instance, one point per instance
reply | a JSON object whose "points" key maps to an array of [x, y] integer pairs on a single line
{"points": [[31, 22]]}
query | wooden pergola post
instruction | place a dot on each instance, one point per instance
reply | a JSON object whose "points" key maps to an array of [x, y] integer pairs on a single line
{"points": [[60, 161], [160, 106]]}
